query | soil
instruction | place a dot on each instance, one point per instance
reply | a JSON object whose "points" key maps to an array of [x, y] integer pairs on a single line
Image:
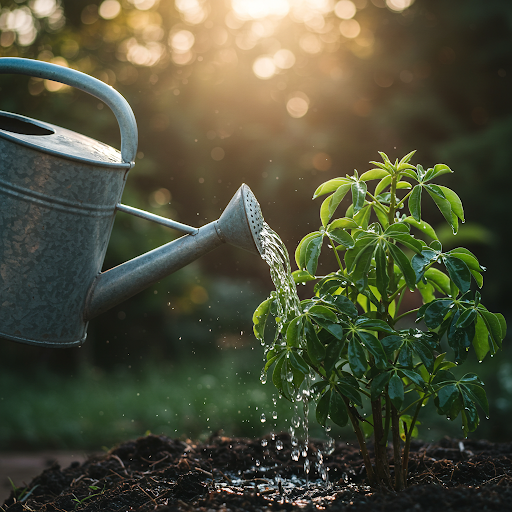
{"points": [[237, 474]]}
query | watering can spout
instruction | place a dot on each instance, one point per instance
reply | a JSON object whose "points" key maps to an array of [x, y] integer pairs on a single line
{"points": [[240, 225]]}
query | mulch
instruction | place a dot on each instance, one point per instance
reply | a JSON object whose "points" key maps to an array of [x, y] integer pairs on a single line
{"points": [[156, 473]]}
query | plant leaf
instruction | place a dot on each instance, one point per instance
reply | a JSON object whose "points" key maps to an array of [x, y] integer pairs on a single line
{"points": [[316, 350], [404, 265], [459, 272], [455, 202], [260, 317], [330, 186], [374, 174], [322, 408], [337, 409], [423, 226], [396, 391], [358, 195], [356, 358]]}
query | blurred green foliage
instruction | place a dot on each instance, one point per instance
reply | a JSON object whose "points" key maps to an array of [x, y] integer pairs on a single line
{"points": [[218, 105]]}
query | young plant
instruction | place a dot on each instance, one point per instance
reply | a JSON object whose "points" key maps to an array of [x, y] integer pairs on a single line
{"points": [[347, 344]]}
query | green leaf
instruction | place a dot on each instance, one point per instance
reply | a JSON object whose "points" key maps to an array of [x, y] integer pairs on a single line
{"points": [[413, 377], [358, 195], [381, 272], [343, 223], [478, 395], [420, 261], [478, 278], [345, 306], [332, 355], [316, 350], [439, 279], [455, 202], [405, 160], [396, 391], [351, 392], [404, 265], [374, 346], [493, 324], [300, 252], [423, 226], [390, 344], [401, 185], [445, 398], [330, 186], [444, 206], [322, 408], [467, 257], [298, 363], [323, 313], [440, 169], [260, 317], [378, 384], [426, 291], [341, 237], [312, 253], [466, 318], [374, 174], [301, 276], [459, 272], [338, 410], [436, 311], [356, 358], [383, 183], [277, 377], [361, 265], [294, 332], [374, 324], [415, 203], [409, 241], [325, 211]]}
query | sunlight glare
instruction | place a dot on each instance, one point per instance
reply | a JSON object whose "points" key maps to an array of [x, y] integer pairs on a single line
{"points": [[192, 11], [109, 9], [399, 5], [182, 41], [284, 59], [256, 9], [264, 67], [345, 9], [350, 29]]}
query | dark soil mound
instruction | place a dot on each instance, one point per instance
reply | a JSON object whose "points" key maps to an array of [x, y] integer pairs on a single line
{"points": [[232, 474]]}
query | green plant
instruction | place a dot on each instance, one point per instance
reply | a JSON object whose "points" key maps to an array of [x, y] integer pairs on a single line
{"points": [[79, 501], [346, 343], [21, 494]]}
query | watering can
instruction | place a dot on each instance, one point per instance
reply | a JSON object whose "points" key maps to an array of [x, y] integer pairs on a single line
{"points": [[59, 194]]}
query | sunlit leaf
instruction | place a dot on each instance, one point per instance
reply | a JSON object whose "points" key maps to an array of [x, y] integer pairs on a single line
{"points": [[374, 174], [343, 223], [260, 317], [439, 279], [401, 185], [455, 202], [423, 226], [383, 183], [301, 276], [341, 237], [405, 266], [312, 251], [358, 195], [330, 186]]}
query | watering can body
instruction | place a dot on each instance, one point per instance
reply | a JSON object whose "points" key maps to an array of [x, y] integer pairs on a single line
{"points": [[59, 193]]}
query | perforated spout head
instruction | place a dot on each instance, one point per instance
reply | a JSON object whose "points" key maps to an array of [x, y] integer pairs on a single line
{"points": [[241, 223]]}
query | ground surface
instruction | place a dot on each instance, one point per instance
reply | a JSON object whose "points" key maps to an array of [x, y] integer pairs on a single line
{"points": [[158, 473]]}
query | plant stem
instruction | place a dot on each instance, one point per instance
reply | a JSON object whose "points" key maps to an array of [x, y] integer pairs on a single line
{"points": [[408, 438], [362, 443], [381, 458], [406, 313], [399, 474]]}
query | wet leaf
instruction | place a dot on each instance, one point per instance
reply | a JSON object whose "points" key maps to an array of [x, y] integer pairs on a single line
{"points": [[343, 223], [439, 279], [312, 253], [301, 276], [298, 363], [358, 195], [391, 344], [374, 174], [260, 317], [383, 183], [373, 345], [294, 332], [356, 358], [381, 273], [322, 312], [423, 226], [341, 237], [396, 391], [338, 410], [455, 202], [322, 408], [378, 384], [316, 350], [350, 392], [459, 272], [415, 203], [444, 206], [404, 265]]}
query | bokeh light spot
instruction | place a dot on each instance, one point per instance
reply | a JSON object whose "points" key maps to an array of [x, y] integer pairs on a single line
{"points": [[345, 9], [109, 9], [198, 295], [298, 105], [399, 5], [217, 154], [350, 29], [182, 41], [264, 67], [284, 59], [256, 9], [143, 5], [322, 162]]}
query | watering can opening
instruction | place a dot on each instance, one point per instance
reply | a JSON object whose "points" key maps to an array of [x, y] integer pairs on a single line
{"points": [[22, 126]]}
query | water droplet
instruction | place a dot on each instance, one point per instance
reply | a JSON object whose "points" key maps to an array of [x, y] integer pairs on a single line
{"points": [[295, 441], [289, 377], [264, 442], [274, 415], [263, 377], [306, 466], [296, 421], [257, 463], [295, 454], [263, 417], [273, 436], [279, 444]]}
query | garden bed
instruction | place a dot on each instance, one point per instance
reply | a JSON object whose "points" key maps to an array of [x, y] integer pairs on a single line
{"points": [[163, 474]]}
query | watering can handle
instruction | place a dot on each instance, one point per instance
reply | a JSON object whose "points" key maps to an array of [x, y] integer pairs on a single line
{"points": [[86, 83]]}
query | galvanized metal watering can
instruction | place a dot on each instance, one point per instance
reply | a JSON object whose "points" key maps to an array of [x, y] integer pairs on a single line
{"points": [[59, 193]]}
